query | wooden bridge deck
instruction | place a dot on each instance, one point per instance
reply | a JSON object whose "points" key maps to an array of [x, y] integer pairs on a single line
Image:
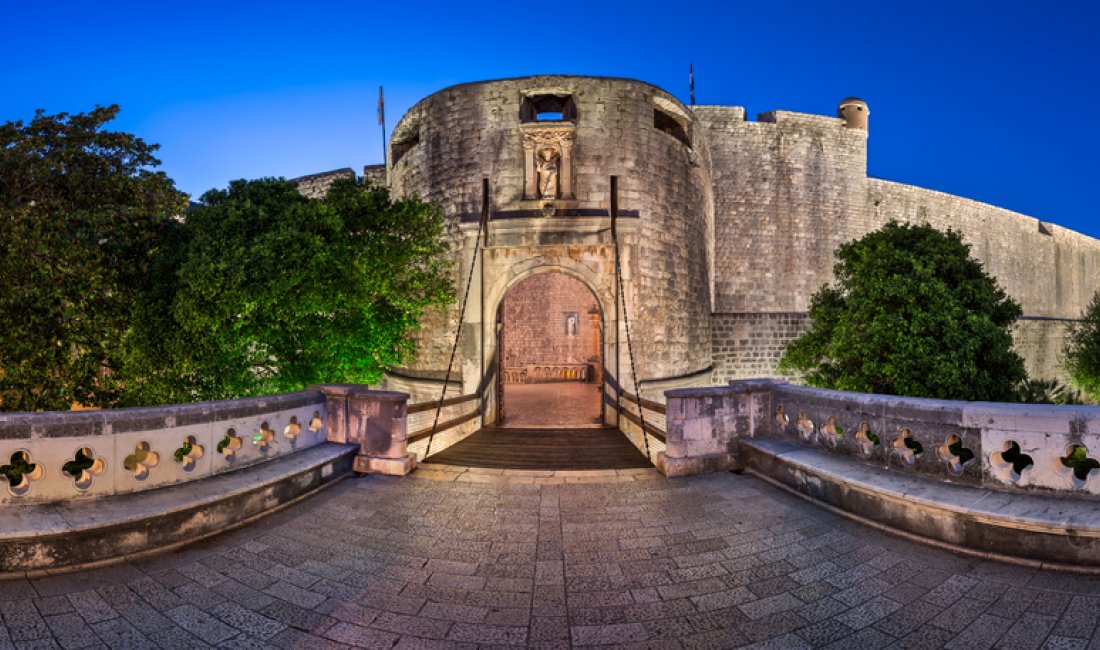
{"points": [[550, 449]]}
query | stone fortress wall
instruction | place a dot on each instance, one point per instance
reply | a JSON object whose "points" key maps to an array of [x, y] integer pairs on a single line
{"points": [[790, 188], [727, 225]]}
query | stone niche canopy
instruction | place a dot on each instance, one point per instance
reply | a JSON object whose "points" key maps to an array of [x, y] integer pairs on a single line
{"points": [[547, 160]]}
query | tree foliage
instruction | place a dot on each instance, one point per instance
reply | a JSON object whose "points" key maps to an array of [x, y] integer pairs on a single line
{"points": [[263, 290], [1082, 350], [81, 214], [910, 313]]}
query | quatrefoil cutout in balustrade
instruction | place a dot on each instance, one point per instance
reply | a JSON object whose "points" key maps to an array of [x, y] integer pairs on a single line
{"points": [[229, 445], [866, 439], [781, 419], [1010, 462], [20, 471], [189, 453], [292, 430], [805, 426], [316, 423], [832, 432], [907, 448], [264, 437], [141, 461], [1079, 463], [83, 468], [955, 454]]}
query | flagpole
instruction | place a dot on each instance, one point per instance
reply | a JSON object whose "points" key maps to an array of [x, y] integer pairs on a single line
{"points": [[382, 121], [691, 82]]}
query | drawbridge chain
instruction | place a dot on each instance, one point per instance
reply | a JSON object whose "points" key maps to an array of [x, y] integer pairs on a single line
{"points": [[458, 330], [621, 295]]}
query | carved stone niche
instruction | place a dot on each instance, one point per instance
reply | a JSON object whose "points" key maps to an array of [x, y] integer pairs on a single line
{"points": [[547, 160]]}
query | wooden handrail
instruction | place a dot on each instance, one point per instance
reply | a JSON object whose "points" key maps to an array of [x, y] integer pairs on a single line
{"points": [[649, 428], [656, 407], [449, 424], [450, 401]]}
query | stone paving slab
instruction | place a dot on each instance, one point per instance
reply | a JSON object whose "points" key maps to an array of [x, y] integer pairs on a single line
{"points": [[630, 560]]}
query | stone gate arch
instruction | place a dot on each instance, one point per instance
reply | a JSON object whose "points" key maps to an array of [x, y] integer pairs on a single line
{"points": [[592, 267]]}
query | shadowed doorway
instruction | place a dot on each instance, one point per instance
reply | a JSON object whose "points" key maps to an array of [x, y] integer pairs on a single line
{"points": [[551, 354]]}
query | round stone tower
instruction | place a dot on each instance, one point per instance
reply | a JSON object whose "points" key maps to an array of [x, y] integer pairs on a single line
{"points": [[549, 147], [854, 112]]}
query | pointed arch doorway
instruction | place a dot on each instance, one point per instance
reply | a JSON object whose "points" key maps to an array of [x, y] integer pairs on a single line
{"points": [[550, 343]]}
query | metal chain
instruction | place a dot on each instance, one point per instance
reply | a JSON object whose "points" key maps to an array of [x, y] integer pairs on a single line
{"points": [[458, 335], [630, 351]]}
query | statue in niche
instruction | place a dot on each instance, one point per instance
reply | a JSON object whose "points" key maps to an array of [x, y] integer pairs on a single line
{"points": [[570, 324], [548, 172]]}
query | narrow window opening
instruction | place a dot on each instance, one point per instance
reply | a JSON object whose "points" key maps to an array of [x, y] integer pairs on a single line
{"points": [[404, 140], [548, 108], [665, 122]]}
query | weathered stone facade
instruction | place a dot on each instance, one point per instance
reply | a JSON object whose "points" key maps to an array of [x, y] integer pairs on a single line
{"points": [[726, 226]]}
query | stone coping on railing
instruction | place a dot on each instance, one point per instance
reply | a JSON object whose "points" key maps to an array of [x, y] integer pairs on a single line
{"points": [[68, 424], [54, 456], [1001, 446]]}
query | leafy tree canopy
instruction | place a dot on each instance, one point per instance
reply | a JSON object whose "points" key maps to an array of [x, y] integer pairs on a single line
{"points": [[81, 214], [910, 313], [1082, 351], [263, 290]]}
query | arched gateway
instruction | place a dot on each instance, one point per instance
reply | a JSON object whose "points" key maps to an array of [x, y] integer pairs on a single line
{"points": [[534, 191]]}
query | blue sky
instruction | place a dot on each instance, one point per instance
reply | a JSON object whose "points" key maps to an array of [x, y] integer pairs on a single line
{"points": [[989, 100]]}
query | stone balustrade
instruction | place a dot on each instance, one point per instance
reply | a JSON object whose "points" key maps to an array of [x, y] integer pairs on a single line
{"points": [[1002, 446], [1018, 482], [537, 373], [55, 456]]}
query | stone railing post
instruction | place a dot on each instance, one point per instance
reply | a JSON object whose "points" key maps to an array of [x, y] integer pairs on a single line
{"points": [[703, 425], [376, 421]]}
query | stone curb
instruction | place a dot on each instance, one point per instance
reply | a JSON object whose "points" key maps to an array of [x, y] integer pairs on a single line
{"points": [[440, 472], [1023, 528], [79, 532]]}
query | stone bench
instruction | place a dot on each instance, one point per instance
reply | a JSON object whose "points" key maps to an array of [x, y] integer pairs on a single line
{"points": [[1046, 530], [77, 532]]}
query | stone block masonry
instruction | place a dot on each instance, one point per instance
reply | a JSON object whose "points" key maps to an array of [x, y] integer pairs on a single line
{"points": [[728, 225], [750, 345]]}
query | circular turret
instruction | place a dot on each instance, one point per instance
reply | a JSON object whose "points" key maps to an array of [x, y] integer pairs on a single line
{"points": [[854, 112]]}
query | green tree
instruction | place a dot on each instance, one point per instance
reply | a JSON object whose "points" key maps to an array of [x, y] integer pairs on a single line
{"points": [[263, 290], [81, 214], [1082, 351], [910, 313]]}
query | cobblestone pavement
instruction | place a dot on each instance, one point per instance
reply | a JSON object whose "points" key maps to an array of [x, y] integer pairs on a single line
{"points": [[483, 559]]}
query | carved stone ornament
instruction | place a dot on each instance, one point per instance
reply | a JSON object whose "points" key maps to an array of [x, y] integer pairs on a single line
{"points": [[548, 160]]}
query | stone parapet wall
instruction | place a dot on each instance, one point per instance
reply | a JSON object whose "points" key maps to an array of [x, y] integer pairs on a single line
{"points": [[315, 186], [788, 189], [137, 449], [1004, 447], [1051, 271]]}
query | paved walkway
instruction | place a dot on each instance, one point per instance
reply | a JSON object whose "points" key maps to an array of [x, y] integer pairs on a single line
{"points": [[477, 558], [553, 404]]}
